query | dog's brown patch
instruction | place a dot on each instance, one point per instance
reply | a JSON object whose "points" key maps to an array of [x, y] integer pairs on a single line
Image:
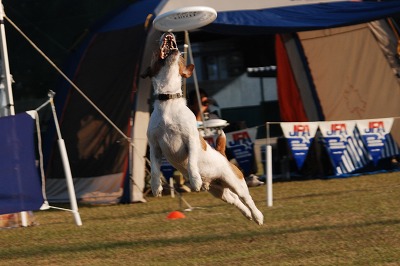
{"points": [[203, 143], [237, 172], [220, 144], [185, 71]]}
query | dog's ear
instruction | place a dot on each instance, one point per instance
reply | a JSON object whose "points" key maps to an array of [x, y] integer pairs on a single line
{"points": [[146, 73], [187, 71]]}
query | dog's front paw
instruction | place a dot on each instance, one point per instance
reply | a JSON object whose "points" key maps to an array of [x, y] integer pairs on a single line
{"points": [[206, 186], [157, 191], [196, 183]]}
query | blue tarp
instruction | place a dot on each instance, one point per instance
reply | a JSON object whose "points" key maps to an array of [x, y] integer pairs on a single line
{"points": [[302, 17], [20, 188]]}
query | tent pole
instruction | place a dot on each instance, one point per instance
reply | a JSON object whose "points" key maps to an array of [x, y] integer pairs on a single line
{"points": [[66, 165], [5, 65], [196, 84], [185, 57], [9, 110]]}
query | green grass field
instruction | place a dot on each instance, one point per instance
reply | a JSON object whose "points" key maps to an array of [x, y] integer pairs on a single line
{"points": [[353, 221]]}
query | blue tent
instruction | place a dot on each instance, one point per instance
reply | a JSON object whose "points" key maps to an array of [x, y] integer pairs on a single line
{"points": [[302, 17], [107, 67]]}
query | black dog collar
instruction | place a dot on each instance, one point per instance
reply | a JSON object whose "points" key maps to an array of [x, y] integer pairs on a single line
{"points": [[165, 97]]}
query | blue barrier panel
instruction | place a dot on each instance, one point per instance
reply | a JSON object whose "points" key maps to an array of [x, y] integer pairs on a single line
{"points": [[20, 184]]}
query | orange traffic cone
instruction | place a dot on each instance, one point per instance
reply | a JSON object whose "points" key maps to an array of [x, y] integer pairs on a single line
{"points": [[175, 215]]}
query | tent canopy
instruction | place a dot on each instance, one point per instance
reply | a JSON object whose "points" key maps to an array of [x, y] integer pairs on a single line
{"points": [[302, 17]]}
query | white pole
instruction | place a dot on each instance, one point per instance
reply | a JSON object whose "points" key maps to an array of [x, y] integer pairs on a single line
{"points": [[66, 165], [269, 175], [268, 167], [196, 84], [5, 65], [9, 110], [171, 186], [70, 184]]}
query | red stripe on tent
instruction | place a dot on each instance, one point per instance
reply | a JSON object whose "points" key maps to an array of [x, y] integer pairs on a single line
{"points": [[290, 103]]}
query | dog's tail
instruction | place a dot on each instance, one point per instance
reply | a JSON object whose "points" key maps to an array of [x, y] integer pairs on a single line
{"points": [[220, 143]]}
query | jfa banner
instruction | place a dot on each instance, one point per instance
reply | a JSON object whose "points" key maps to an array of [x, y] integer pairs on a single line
{"points": [[374, 133], [343, 147], [241, 145], [336, 135], [299, 135]]}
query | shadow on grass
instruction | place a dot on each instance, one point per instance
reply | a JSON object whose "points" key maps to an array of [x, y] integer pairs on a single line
{"points": [[314, 195], [186, 240]]}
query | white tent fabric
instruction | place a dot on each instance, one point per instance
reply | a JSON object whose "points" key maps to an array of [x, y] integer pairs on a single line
{"points": [[95, 190]]}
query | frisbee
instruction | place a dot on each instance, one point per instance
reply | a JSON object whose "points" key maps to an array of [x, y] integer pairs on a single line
{"points": [[184, 19], [216, 123]]}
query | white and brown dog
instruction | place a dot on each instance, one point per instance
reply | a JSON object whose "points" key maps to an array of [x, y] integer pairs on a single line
{"points": [[173, 132]]}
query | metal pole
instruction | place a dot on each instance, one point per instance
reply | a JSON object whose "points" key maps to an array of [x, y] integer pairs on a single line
{"points": [[185, 58], [9, 110], [66, 165], [5, 65], [196, 84]]}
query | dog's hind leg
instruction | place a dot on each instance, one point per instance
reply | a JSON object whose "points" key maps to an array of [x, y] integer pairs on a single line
{"points": [[155, 160], [218, 191], [241, 189]]}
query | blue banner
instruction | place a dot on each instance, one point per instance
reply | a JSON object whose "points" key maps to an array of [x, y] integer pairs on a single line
{"points": [[20, 188], [374, 133], [167, 169], [336, 135], [241, 145], [341, 140], [299, 135]]}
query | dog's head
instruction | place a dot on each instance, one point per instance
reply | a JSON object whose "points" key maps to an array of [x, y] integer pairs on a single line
{"points": [[167, 55]]}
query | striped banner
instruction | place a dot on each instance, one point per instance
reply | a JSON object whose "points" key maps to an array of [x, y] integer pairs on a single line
{"points": [[341, 141], [374, 133]]}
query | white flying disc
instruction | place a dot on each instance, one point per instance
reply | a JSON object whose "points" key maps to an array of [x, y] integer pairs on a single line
{"points": [[184, 19], [216, 123]]}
